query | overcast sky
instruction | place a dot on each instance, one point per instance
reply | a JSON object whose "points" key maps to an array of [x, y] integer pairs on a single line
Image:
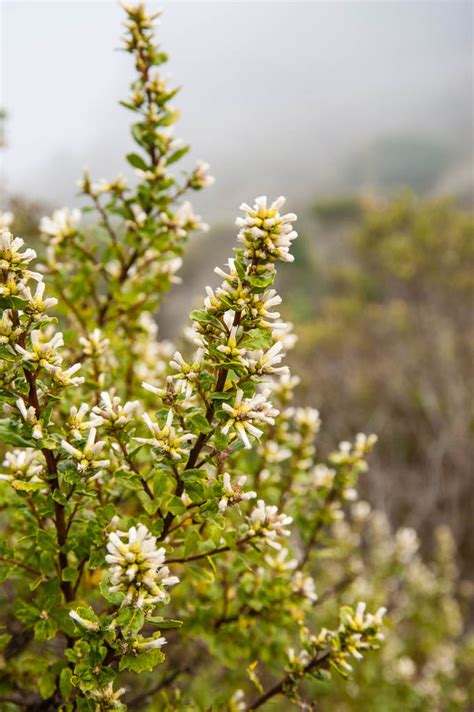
{"points": [[276, 95]]}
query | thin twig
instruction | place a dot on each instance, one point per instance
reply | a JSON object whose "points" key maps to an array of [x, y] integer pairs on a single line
{"points": [[20, 565], [279, 688]]}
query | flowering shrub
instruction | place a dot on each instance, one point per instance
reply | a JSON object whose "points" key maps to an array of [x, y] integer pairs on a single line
{"points": [[170, 535]]}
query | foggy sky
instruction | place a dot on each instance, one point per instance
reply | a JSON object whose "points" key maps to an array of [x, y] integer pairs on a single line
{"points": [[276, 95]]}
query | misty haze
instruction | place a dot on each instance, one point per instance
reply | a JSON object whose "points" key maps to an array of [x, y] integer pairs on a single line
{"points": [[299, 97]]}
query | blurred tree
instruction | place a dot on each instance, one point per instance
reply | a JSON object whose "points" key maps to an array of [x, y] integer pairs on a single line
{"points": [[392, 341]]}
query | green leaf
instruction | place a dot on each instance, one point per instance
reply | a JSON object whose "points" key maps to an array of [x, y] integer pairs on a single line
{"points": [[59, 497], [192, 541], [177, 155], [200, 573], [257, 339], [5, 395], [144, 661], [195, 490], [159, 58], [28, 486], [137, 161], [199, 424], [203, 317], [9, 434], [176, 505], [69, 574], [45, 629], [150, 505], [65, 682], [131, 620], [47, 684], [220, 441], [7, 354], [88, 613], [262, 281], [240, 265], [139, 134], [194, 474], [96, 560], [163, 623], [10, 302], [111, 596], [227, 396], [251, 672]]}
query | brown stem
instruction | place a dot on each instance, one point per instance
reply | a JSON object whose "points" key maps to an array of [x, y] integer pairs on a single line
{"points": [[196, 449], [279, 688], [59, 517], [72, 515], [317, 526], [204, 555], [79, 576], [72, 306], [14, 562], [134, 467], [108, 226], [144, 697]]}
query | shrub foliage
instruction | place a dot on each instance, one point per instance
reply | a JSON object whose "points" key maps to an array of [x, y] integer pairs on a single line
{"points": [[171, 537]]}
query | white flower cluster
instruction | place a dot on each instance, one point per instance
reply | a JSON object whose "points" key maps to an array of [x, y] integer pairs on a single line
{"points": [[117, 185], [279, 562], [200, 177], [322, 476], [96, 347], [264, 363], [44, 353], [29, 416], [77, 423], [303, 585], [61, 226], [45, 345], [9, 332], [265, 234], [22, 465], [183, 221], [233, 493], [349, 452], [11, 257], [111, 413], [164, 438], [94, 344], [36, 301], [137, 567], [89, 457], [358, 632], [306, 418], [247, 411], [359, 622], [237, 291], [267, 522], [108, 698], [187, 373]]}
